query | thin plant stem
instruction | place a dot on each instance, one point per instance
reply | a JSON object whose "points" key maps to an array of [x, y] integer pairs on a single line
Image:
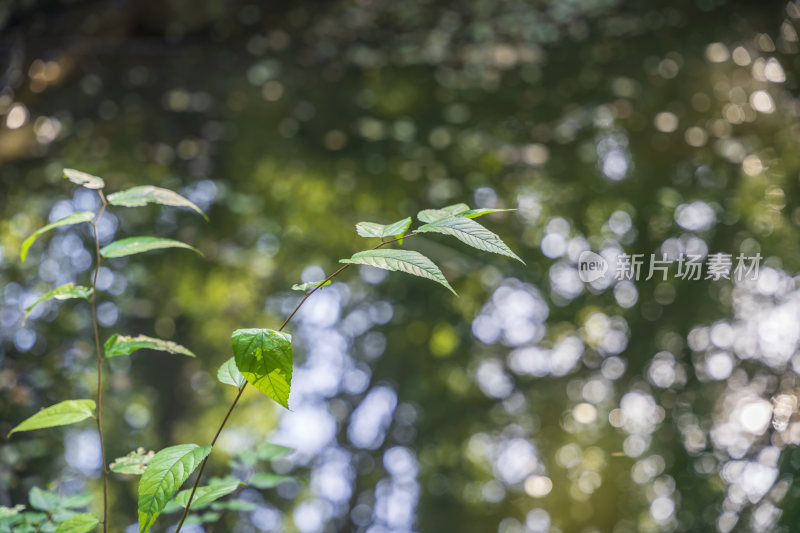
{"points": [[241, 389], [93, 302]]}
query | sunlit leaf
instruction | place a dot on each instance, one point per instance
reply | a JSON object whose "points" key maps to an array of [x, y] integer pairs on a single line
{"points": [[165, 474], [60, 414], [204, 496], [470, 232], [137, 245], [309, 285], [82, 523], [123, 345], [263, 480], [407, 261], [229, 374], [69, 220], [264, 357], [475, 213], [64, 292], [134, 463], [373, 229], [150, 194], [430, 215], [85, 179]]}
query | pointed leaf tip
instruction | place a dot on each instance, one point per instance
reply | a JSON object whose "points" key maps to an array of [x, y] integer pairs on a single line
{"points": [[469, 232]]}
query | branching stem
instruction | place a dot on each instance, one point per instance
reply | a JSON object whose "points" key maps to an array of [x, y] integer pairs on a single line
{"points": [[93, 303], [241, 389]]}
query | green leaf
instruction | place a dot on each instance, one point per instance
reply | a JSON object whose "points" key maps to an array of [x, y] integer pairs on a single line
{"points": [[268, 451], [69, 220], [85, 179], [165, 474], [75, 501], [229, 374], [204, 518], [123, 345], [475, 213], [407, 261], [310, 284], [263, 480], [44, 500], [150, 194], [244, 459], [64, 292], [137, 245], [7, 512], [373, 229], [135, 463], [431, 215], [204, 496], [264, 357], [234, 505], [82, 523], [60, 414], [470, 232]]}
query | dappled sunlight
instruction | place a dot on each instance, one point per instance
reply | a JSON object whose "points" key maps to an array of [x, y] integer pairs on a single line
{"points": [[659, 140]]}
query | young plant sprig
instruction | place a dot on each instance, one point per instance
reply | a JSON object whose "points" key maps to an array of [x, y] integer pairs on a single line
{"points": [[263, 357], [73, 411]]}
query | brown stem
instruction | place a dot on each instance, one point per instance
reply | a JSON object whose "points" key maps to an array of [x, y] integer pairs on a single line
{"points": [[241, 389], [93, 301]]}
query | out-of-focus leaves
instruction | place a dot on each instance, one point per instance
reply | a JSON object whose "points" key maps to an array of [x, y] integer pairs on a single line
{"points": [[82, 523], [204, 496], [263, 480]]}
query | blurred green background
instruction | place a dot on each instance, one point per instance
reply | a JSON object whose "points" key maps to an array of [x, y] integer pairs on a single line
{"points": [[531, 403]]}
